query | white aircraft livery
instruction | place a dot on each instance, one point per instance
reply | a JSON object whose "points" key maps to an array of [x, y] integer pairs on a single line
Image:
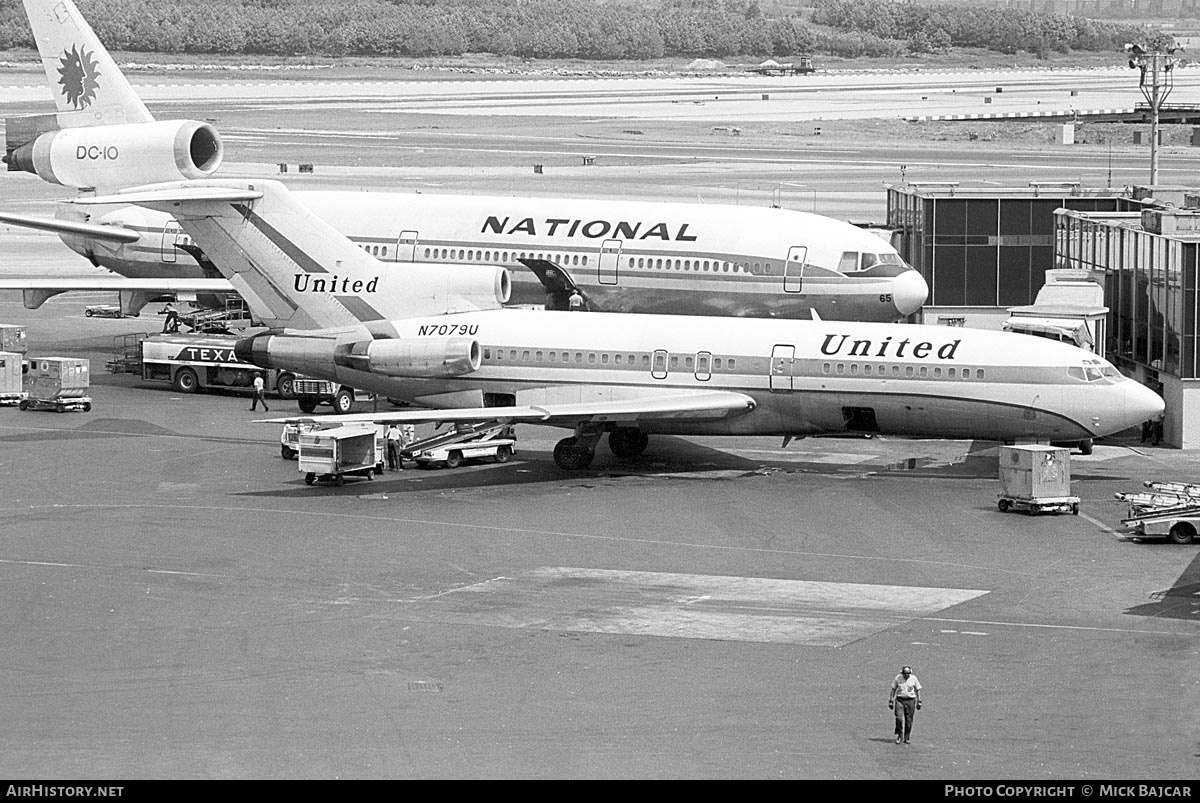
{"points": [[619, 256], [627, 376]]}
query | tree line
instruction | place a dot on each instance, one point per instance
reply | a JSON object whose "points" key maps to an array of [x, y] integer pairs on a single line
{"points": [[561, 29]]}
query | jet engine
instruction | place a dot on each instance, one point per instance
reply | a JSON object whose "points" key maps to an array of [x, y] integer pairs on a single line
{"points": [[121, 155], [439, 289], [424, 358]]}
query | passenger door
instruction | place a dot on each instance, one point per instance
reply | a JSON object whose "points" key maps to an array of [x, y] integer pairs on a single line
{"points": [[171, 234], [406, 247], [782, 360], [610, 256], [793, 269]]}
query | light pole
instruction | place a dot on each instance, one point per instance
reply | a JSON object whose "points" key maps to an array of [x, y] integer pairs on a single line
{"points": [[1158, 79]]}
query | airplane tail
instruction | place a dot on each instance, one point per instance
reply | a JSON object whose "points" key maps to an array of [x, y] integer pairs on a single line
{"points": [[295, 271], [89, 89]]}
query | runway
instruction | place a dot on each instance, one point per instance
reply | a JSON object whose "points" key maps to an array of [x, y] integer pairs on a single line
{"points": [[179, 604]]}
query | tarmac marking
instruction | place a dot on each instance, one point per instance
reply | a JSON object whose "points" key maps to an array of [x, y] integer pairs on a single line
{"points": [[106, 568], [1038, 626], [722, 608], [425, 523]]}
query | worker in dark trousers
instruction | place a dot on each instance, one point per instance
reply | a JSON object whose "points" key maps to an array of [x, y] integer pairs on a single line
{"points": [[171, 322], [394, 439], [905, 701], [259, 394]]}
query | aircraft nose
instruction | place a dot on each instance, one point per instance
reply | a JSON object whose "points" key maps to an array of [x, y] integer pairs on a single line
{"points": [[1141, 403], [909, 292]]}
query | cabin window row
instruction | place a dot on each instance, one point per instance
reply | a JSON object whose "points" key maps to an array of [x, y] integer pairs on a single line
{"points": [[689, 362], [897, 371], [644, 263], [492, 257]]}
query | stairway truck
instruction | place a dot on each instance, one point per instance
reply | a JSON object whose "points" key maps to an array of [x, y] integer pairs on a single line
{"points": [[310, 393], [191, 363]]}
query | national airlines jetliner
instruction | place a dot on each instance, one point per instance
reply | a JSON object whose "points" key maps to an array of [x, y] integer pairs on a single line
{"points": [[627, 376], [622, 256]]}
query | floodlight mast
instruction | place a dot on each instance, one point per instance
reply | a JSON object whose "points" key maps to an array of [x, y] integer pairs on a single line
{"points": [[1158, 79]]}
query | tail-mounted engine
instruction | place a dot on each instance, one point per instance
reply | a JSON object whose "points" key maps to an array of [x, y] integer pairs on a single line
{"points": [[113, 155], [426, 359]]}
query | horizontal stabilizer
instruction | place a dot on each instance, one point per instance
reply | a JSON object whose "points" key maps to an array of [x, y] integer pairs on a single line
{"points": [[114, 234], [172, 193], [692, 406]]}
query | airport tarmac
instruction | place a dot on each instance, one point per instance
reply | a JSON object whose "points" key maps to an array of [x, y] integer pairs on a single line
{"points": [[181, 605]]}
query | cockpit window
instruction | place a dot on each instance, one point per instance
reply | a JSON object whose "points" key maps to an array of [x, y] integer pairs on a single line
{"points": [[848, 262], [1095, 371]]}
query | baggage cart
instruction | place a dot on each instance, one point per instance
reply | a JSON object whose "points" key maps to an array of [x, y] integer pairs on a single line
{"points": [[104, 311], [351, 450], [1036, 479], [11, 379], [289, 440], [13, 338], [57, 383]]}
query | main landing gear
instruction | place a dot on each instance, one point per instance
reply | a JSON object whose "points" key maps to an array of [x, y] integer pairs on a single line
{"points": [[578, 451]]}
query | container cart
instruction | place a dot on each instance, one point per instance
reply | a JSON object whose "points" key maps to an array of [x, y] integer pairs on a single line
{"points": [[13, 338], [57, 383], [289, 440], [340, 452], [1036, 479], [11, 382]]}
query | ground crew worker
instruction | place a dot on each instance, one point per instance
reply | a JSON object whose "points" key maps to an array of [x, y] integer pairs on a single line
{"points": [[171, 322], [394, 440], [575, 303], [259, 394], [905, 701]]}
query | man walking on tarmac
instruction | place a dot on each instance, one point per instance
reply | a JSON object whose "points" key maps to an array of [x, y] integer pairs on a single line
{"points": [[905, 701], [258, 395]]}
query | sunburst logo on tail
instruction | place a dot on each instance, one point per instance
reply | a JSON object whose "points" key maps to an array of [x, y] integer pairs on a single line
{"points": [[79, 77]]}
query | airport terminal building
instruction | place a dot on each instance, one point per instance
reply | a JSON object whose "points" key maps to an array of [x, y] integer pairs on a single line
{"points": [[985, 251]]}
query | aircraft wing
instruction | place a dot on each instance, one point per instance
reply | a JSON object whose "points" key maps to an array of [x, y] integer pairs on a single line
{"points": [[698, 406], [36, 292], [118, 283], [116, 234]]}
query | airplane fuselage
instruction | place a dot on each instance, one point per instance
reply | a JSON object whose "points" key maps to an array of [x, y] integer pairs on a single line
{"points": [[805, 377], [660, 258]]}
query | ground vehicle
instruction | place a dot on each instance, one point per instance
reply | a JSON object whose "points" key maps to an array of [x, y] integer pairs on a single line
{"points": [[192, 362], [1171, 511], [311, 392], [1036, 479], [338, 452], [57, 383], [12, 380], [104, 311], [289, 440], [464, 442]]}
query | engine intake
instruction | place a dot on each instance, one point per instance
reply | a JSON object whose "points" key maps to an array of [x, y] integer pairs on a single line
{"points": [[121, 155]]}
